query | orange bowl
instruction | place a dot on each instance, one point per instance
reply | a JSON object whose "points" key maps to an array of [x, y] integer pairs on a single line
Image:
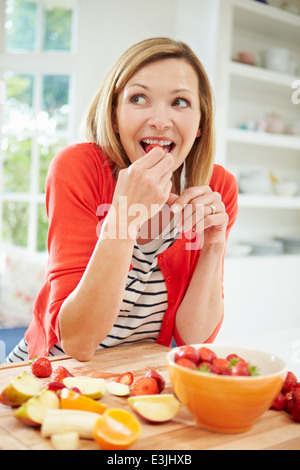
{"points": [[228, 404]]}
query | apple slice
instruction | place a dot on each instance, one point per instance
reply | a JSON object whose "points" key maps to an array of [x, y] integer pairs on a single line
{"points": [[33, 411], [118, 389], [89, 386], [20, 389], [155, 408]]}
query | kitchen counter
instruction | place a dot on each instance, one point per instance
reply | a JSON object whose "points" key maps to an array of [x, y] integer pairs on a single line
{"points": [[275, 430]]}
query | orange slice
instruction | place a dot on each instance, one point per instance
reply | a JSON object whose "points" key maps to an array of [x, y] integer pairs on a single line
{"points": [[116, 429], [70, 400]]}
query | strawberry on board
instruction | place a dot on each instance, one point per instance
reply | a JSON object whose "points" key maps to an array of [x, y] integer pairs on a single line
{"points": [[41, 367], [126, 378], [289, 401], [289, 383], [279, 402], [296, 412], [60, 373], [145, 386]]}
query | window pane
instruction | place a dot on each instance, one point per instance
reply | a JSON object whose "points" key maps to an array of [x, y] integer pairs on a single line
{"points": [[42, 228], [15, 223], [20, 25], [18, 106], [56, 99], [16, 164], [48, 148], [57, 28]]}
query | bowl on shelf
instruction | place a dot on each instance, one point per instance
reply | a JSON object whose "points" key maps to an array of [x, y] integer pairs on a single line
{"points": [[267, 247], [291, 244], [228, 404], [254, 182], [286, 188]]}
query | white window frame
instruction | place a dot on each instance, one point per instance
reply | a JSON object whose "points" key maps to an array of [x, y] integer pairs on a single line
{"points": [[37, 64]]}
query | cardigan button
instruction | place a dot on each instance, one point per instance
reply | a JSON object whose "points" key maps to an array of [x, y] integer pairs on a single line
{"points": [[169, 279], [172, 300]]}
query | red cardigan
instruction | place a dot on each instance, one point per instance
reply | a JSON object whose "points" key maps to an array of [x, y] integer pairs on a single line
{"points": [[79, 180]]}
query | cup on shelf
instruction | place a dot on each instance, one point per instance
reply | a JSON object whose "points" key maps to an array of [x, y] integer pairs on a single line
{"points": [[274, 123], [279, 59], [246, 58]]}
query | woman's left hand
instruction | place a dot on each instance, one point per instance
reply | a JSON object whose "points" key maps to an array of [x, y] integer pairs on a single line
{"points": [[202, 211]]}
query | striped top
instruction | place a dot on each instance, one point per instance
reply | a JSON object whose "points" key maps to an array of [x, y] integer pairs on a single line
{"points": [[145, 298]]}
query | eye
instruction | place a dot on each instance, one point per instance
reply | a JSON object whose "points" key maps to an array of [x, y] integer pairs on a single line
{"points": [[138, 99], [181, 103]]}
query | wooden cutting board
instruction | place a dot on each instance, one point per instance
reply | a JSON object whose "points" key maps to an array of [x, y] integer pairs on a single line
{"points": [[273, 431]]}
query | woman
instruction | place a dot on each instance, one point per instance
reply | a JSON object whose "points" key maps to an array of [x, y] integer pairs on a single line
{"points": [[137, 234]]}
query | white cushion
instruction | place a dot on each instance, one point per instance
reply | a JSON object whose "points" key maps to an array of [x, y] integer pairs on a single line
{"points": [[22, 276]]}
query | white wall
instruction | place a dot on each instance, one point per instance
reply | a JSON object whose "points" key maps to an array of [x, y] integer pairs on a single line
{"points": [[106, 29], [197, 25]]}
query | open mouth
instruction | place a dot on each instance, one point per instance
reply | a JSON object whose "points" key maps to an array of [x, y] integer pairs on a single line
{"points": [[168, 145]]}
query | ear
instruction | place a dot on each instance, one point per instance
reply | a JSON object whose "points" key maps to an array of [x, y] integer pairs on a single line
{"points": [[199, 132]]}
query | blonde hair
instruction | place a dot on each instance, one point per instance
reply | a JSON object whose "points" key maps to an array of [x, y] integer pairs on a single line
{"points": [[100, 116]]}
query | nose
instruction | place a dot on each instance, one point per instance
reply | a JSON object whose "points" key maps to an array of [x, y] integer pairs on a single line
{"points": [[160, 117]]}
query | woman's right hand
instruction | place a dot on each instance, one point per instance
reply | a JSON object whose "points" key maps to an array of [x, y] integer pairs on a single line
{"points": [[142, 189]]}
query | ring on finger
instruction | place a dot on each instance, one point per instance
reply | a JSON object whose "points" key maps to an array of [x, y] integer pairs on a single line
{"points": [[213, 209]]}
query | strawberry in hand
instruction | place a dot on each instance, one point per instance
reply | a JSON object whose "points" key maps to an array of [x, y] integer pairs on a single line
{"points": [[152, 146]]}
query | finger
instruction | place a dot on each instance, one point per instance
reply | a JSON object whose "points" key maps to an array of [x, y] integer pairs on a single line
{"points": [[165, 179], [189, 196], [172, 199], [219, 221], [152, 158], [191, 216]]}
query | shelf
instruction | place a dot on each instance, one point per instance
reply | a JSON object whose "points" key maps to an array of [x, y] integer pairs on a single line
{"points": [[268, 202], [265, 76], [263, 138], [267, 20]]}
